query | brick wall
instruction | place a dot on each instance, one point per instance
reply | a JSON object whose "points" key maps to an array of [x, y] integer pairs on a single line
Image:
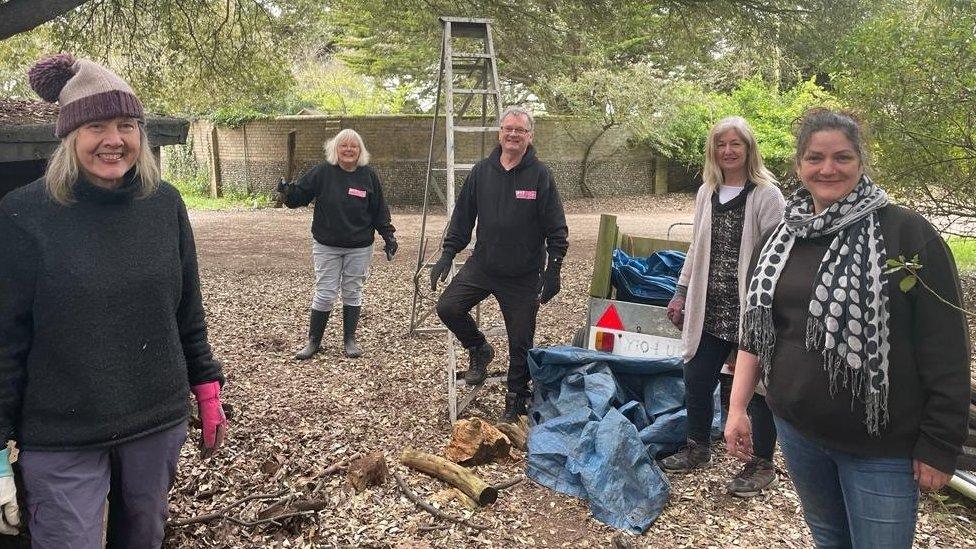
{"points": [[253, 157]]}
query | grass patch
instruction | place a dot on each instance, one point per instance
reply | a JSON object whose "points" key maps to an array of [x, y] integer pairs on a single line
{"points": [[964, 251], [192, 179]]}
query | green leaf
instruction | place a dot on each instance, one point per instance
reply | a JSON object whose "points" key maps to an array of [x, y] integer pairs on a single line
{"points": [[907, 283], [893, 263]]}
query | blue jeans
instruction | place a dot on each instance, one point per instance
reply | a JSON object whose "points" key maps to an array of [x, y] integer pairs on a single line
{"points": [[851, 501]]}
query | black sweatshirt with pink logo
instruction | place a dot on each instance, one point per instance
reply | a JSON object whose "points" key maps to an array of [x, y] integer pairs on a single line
{"points": [[519, 214], [349, 206]]}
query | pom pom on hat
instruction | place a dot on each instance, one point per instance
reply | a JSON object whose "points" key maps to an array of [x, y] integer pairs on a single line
{"points": [[84, 90], [48, 76]]}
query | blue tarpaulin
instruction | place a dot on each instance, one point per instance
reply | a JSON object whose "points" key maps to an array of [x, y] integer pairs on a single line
{"points": [[651, 280], [598, 422]]}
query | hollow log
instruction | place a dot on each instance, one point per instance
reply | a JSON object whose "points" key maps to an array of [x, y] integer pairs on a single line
{"points": [[451, 473]]}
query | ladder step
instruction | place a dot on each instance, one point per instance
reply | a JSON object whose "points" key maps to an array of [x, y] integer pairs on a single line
{"points": [[484, 91], [476, 129], [457, 166], [470, 55]]}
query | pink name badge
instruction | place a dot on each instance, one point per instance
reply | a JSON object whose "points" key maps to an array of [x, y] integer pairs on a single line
{"points": [[357, 192], [525, 195]]}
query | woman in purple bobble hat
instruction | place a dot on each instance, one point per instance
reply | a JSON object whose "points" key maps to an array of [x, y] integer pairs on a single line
{"points": [[102, 329]]}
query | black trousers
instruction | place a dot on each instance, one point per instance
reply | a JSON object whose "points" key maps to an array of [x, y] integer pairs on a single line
{"points": [[701, 378], [518, 298]]}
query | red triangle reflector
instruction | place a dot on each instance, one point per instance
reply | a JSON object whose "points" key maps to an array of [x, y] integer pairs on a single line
{"points": [[610, 319]]}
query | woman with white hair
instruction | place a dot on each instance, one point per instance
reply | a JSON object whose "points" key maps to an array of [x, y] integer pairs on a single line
{"points": [[349, 211], [737, 203]]}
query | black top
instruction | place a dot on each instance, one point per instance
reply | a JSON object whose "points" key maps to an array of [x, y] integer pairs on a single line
{"points": [[102, 327], [928, 361], [520, 216], [349, 206], [722, 297]]}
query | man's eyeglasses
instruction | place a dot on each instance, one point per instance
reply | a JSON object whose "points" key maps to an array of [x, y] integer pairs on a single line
{"points": [[516, 131]]}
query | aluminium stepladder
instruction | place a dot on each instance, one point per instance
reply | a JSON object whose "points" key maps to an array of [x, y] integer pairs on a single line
{"points": [[468, 74]]}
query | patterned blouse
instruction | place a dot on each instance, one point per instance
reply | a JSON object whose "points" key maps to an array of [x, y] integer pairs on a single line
{"points": [[722, 299]]}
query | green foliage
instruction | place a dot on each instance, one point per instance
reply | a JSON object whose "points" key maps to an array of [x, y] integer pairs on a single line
{"points": [[235, 116], [334, 88], [17, 54], [912, 70], [681, 131], [964, 252], [192, 179]]}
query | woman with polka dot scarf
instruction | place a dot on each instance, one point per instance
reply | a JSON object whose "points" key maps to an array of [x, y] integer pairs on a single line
{"points": [[867, 374]]}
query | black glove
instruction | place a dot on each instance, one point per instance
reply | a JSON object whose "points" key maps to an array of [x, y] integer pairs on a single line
{"points": [[391, 247], [441, 269], [282, 185], [550, 280]]}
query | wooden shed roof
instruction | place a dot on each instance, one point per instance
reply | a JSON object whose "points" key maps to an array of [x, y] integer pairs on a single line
{"points": [[27, 130]]}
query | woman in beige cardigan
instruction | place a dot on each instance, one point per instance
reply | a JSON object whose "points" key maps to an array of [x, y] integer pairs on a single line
{"points": [[737, 203]]}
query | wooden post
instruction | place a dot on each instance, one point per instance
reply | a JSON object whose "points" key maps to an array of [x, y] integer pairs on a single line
{"points": [[290, 163], [605, 243], [216, 185], [660, 175]]}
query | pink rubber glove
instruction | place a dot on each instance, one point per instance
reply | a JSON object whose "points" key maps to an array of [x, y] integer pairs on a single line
{"points": [[213, 422]]}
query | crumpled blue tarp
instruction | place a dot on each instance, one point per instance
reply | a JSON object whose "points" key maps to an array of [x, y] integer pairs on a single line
{"points": [[651, 280], [598, 422]]}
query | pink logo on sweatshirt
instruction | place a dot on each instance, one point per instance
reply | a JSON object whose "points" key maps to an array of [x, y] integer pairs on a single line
{"points": [[525, 195], [357, 192]]}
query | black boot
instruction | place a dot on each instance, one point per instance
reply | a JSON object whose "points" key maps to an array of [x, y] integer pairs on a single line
{"points": [[350, 319], [316, 327], [479, 359], [515, 406]]}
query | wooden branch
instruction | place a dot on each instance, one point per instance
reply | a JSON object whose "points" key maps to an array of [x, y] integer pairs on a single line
{"points": [[508, 483], [17, 16], [451, 473], [515, 434], [430, 508], [223, 512], [336, 467]]}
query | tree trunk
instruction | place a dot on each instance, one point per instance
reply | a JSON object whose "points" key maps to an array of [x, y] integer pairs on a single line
{"points": [[584, 188], [451, 473]]}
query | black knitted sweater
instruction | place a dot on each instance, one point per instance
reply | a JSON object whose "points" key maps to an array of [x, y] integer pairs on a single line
{"points": [[102, 327]]}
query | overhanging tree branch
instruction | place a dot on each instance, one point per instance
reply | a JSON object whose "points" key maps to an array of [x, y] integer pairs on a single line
{"points": [[17, 16]]}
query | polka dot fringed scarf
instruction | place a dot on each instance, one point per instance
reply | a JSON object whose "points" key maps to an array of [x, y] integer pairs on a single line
{"points": [[848, 319]]}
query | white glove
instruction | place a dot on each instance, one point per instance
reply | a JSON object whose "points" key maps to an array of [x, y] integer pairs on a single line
{"points": [[9, 511], [10, 516]]}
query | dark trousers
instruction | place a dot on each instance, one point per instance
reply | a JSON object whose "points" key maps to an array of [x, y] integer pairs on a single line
{"points": [[518, 298], [65, 492], [701, 378]]}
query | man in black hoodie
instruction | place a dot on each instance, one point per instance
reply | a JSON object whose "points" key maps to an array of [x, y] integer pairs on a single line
{"points": [[520, 218]]}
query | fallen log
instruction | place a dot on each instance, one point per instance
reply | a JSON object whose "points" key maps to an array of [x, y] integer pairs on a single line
{"points": [[515, 433], [430, 508], [451, 473]]}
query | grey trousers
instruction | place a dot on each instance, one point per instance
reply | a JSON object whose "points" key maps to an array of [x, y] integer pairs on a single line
{"points": [[338, 269], [64, 492]]}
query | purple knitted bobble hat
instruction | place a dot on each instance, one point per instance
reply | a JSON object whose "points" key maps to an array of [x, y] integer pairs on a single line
{"points": [[85, 90]]}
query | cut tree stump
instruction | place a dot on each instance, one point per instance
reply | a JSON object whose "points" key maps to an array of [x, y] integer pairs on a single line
{"points": [[451, 473], [474, 442], [369, 470]]}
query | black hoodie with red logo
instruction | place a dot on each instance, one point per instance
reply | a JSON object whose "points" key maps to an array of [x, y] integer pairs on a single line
{"points": [[519, 214], [349, 206]]}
